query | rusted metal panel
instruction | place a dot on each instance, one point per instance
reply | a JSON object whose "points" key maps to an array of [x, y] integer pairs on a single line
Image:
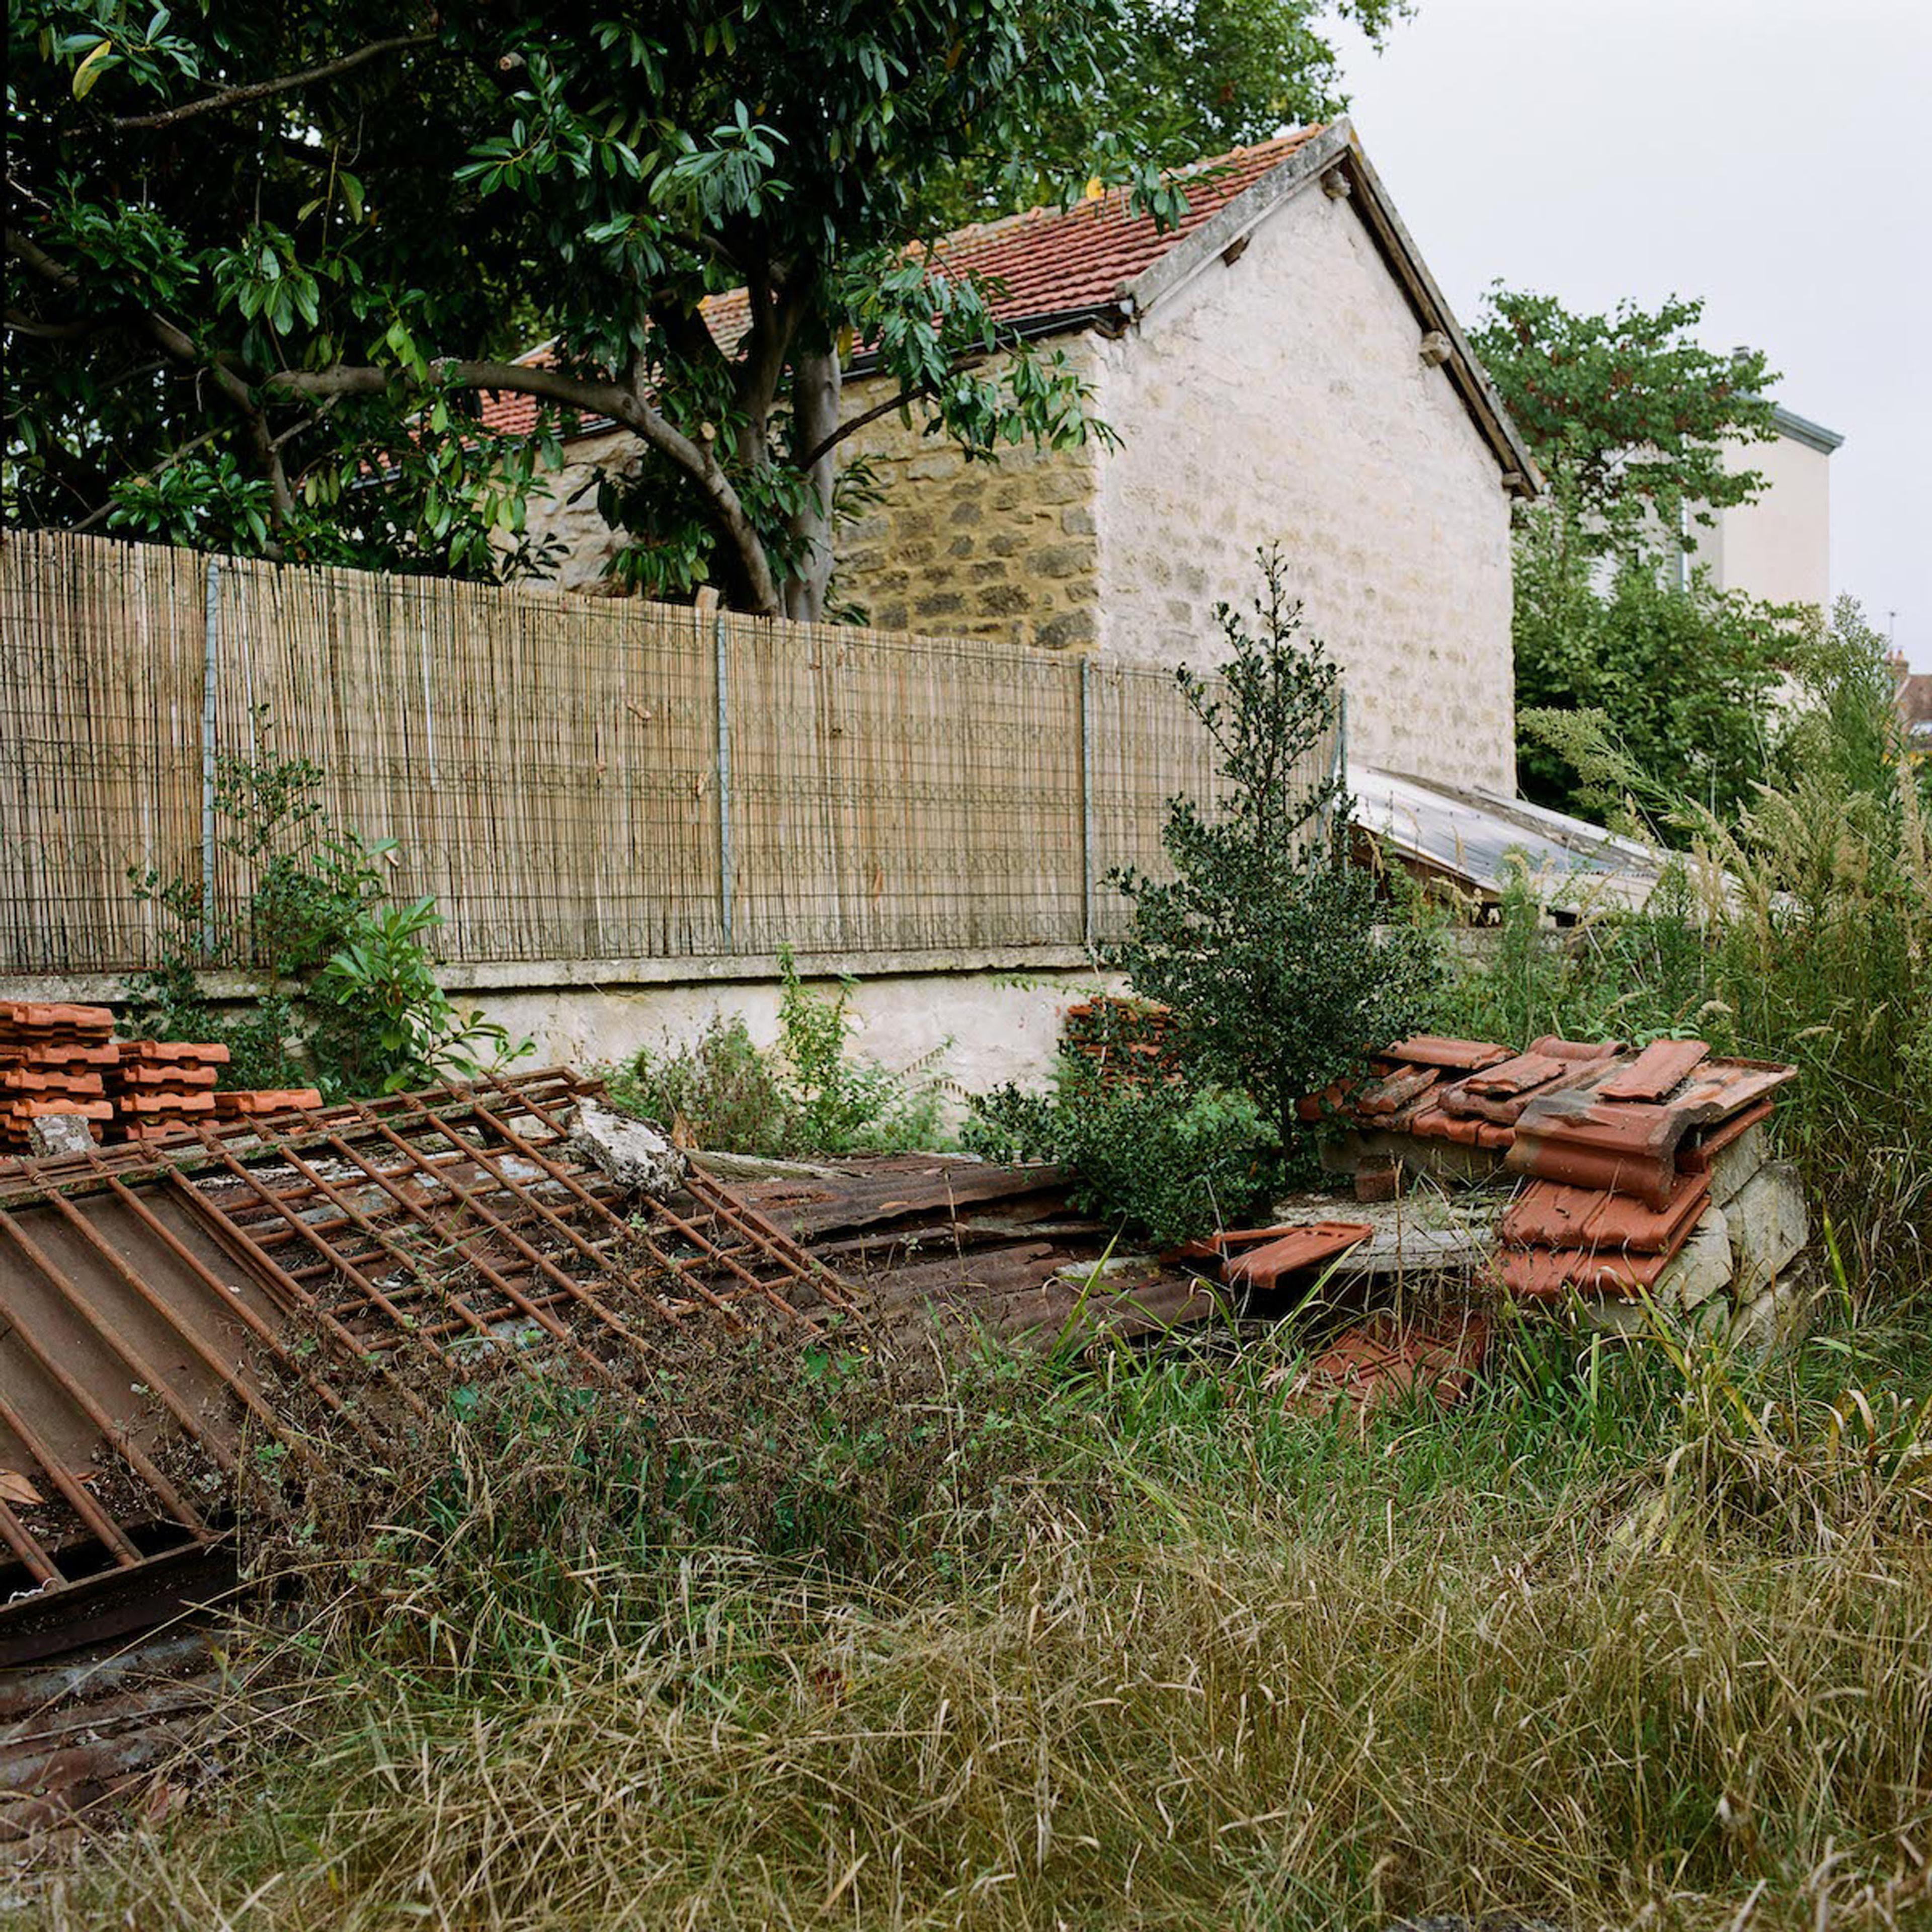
{"points": [[170, 1311], [1548, 1214]]}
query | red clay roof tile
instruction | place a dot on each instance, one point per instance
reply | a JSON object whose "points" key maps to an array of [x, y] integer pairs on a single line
{"points": [[1548, 1214], [1662, 1065], [1429, 1049], [1304, 1247], [1048, 261]]}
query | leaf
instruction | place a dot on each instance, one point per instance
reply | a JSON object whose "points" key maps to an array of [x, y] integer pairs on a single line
{"points": [[92, 68], [15, 1488]]}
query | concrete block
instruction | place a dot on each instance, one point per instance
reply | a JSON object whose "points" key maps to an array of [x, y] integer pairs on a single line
{"points": [[633, 1153], [1769, 1227], [1776, 1316], [1702, 1268], [1738, 1163]]}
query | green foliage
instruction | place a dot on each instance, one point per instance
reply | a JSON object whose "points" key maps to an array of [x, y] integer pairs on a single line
{"points": [[306, 241], [1168, 1157], [1680, 675], [348, 999], [1264, 944], [1800, 930], [1629, 419], [1177, 79], [1629, 409], [701, 1650], [807, 1094]]}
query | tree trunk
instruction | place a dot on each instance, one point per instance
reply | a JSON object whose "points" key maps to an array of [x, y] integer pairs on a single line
{"points": [[816, 387]]}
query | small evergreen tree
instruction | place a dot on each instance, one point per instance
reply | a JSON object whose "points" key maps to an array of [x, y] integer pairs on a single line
{"points": [[1264, 944]]}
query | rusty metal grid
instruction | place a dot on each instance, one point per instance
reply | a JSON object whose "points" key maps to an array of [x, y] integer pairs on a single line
{"points": [[176, 1321]]}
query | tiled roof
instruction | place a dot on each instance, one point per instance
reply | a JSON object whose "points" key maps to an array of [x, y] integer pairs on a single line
{"points": [[1048, 261], [1914, 701]]}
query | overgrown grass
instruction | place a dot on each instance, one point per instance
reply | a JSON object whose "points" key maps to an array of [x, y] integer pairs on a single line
{"points": [[1638, 1636]]}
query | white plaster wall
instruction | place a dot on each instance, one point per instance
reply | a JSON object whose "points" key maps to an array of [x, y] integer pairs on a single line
{"points": [[1778, 548], [970, 1030], [1282, 396]]}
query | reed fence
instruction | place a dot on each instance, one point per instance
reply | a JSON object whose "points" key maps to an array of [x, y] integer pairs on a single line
{"points": [[572, 779]]}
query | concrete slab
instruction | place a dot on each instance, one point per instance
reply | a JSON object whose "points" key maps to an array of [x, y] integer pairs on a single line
{"points": [[1769, 1227]]}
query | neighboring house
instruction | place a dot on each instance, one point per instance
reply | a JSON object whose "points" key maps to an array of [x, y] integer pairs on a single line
{"points": [[1915, 703], [1779, 547], [1281, 368]]}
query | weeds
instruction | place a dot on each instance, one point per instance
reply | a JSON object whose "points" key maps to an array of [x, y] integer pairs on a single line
{"points": [[350, 998], [809, 1093], [1130, 1646]]}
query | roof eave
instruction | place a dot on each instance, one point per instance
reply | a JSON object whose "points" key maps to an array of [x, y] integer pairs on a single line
{"points": [[1338, 146], [1802, 429], [1520, 473]]}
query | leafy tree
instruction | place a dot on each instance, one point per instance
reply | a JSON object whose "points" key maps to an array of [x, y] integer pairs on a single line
{"points": [[1264, 944], [1616, 634], [262, 262], [1627, 411], [1680, 674], [1186, 78]]}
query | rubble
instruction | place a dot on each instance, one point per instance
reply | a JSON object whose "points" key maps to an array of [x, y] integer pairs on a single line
{"points": [[1649, 1176], [633, 1153]]}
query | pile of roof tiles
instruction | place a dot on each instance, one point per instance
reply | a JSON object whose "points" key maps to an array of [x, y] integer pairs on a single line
{"points": [[1128, 1041], [57, 1061], [1631, 1159], [54, 1060]]}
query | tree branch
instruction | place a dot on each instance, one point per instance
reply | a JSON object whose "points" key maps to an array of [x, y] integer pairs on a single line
{"points": [[692, 456], [259, 90], [878, 410]]}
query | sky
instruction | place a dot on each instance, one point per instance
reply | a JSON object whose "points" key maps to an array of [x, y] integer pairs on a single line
{"points": [[1772, 156]]}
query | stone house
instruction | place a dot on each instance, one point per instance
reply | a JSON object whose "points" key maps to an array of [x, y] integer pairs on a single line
{"points": [[1281, 368]]}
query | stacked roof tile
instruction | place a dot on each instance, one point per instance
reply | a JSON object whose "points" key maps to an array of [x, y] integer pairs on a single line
{"points": [[64, 1061], [1619, 1148]]}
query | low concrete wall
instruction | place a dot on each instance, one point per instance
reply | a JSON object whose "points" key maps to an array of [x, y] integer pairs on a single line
{"points": [[967, 1021], [968, 1031]]}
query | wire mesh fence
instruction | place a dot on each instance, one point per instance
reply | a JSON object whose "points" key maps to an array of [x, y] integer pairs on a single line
{"points": [[571, 779]]}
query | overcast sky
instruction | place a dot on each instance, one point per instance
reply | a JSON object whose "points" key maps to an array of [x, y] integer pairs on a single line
{"points": [[1773, 157]]}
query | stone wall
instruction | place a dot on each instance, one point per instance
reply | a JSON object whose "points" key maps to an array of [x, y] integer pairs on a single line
{"points": [[1004, 549], [1282, 398], [565, 512], [990, 550]]}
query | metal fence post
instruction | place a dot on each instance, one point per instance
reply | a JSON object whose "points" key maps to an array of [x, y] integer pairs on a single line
{"points": [[1087, 802], [210, 657], [725, 880]]}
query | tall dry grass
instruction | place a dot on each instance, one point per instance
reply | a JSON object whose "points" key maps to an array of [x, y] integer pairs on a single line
{"points": [[1651, 1648]]}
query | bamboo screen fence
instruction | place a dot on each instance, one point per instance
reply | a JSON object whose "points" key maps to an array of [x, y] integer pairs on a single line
{"points": [[572, 779]]}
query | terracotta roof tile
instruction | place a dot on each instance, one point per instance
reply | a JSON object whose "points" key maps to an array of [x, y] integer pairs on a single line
{"points": [[1303, 1247], [1048, 261], [1547, 1214]]}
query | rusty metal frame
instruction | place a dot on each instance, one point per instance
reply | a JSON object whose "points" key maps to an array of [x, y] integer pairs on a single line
{"points": [[450, 1226]]}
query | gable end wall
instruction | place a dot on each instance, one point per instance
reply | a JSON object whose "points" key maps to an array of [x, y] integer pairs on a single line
{"points": [[1282, 396]]}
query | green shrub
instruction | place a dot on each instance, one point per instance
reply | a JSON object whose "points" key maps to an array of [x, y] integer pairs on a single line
{"points": [[1265, 944], [807, 1094], [1169, 1158], [349, 1000]]}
